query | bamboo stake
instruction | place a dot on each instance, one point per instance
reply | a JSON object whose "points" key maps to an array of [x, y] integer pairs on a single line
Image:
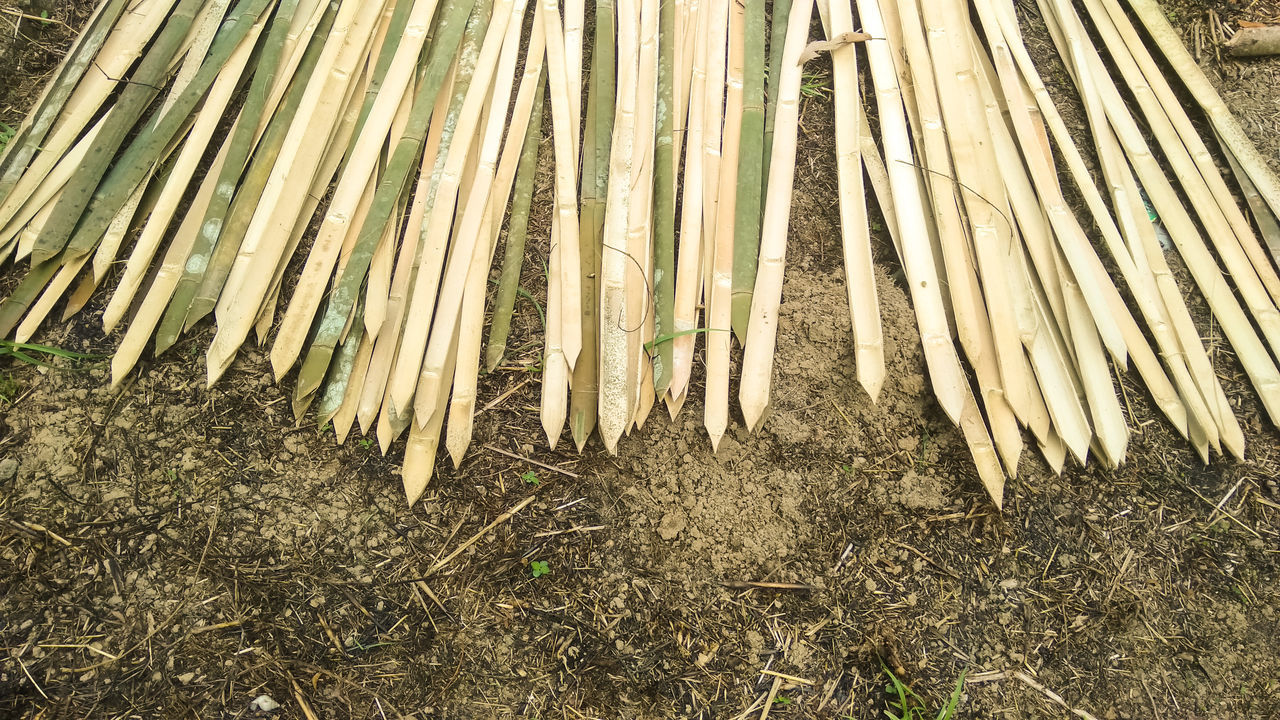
{"points": [[475, 221], [465, 246], [370, 137], [947, 378], [973, 327], [585, 390], [442, 203], [1183, 148], [860, 283], [757, 361], [689, 260], [719, 315], [664, 189], [565, 123], [616, 401], [778, 20], [1199, 87], [232, 208], [193, 151]]}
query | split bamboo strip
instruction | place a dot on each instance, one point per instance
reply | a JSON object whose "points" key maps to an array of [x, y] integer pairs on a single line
{"points": [[616, 401], [719, 302], [442, 202], [860, 282], [371, 134], [757, 361], [949, 383]]}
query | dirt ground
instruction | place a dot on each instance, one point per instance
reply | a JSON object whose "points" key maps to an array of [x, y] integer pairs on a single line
{"points": [[172, 551]]}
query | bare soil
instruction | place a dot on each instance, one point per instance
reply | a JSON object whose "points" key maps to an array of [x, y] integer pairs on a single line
{"points": [[175, 551]]}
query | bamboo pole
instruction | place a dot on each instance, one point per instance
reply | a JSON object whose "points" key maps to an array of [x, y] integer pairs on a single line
{"points": [[441, 206], [719, 313], [616, 401], [950, 385], [1199, 87], [371, 134], [757, 360]]}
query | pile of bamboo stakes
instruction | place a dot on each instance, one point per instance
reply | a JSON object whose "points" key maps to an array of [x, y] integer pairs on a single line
{"points": [[189, 147]]}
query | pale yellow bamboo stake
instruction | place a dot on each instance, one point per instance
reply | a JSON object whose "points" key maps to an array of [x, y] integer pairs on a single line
{"points": [[1182, 145], [410, 359], [639, 245], [720, 290], [384, 352], [689, 258], [285, 191], [1134, 267], [762, 330], [466, 246], [1203, 92], [860, 282], [473, 224], [616, 410], [947, 377], [420, 452], [716, 49], [565, 94], [352, 187], [1251, 352]]}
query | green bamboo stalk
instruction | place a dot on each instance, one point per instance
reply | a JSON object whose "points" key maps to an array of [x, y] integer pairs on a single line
{"points": [[517, 232], [584, 395], [142, 88], [751, 174], [335, 383], [147, 148], [664, 198], [22, 148], [15, 306], [453, 20], [228, 217], [777, 33]]}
